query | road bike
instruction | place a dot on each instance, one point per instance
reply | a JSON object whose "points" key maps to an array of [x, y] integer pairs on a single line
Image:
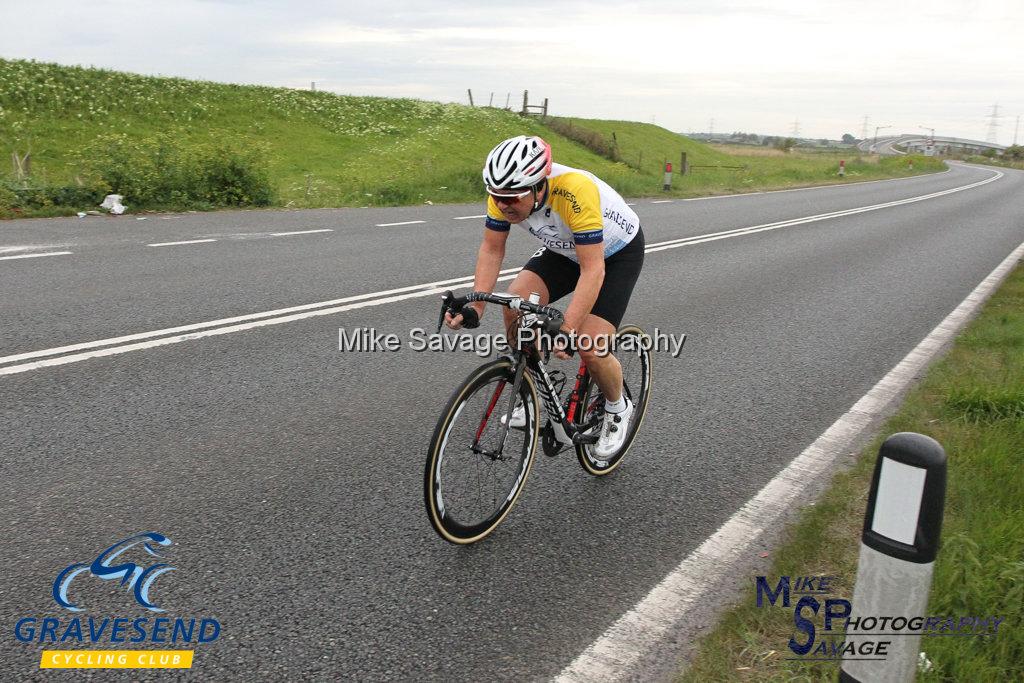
{"points": [[480, 456]]}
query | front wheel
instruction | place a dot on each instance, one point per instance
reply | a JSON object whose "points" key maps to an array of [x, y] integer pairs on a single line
{"points": [[472, 479], [633, 350]]}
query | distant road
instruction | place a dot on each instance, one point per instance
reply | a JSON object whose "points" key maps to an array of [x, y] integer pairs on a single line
{"points": [[196, 389], [883, 146]]}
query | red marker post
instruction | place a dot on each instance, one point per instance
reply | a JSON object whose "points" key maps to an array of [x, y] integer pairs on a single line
{"points": [[668, 176], [842, 168]]}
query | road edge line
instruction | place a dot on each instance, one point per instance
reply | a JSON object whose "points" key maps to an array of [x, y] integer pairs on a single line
{"points": [[647, 627]]}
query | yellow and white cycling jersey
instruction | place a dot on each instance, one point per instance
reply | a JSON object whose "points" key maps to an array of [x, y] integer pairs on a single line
{"points": [[580, 209]]}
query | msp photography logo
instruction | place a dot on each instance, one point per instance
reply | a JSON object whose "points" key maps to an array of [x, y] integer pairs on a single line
{"points": [[127, 562], [829, 638]]}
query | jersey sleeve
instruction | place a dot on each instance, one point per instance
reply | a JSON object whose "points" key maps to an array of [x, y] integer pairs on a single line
{"points": [[578, 201], [495, 219]]}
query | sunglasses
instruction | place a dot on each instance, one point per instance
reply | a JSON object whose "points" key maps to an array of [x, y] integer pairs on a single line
{"points": [[504, 198]]}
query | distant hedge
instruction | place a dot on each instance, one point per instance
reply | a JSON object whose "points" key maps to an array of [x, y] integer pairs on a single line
{"points": [[152, 172]]}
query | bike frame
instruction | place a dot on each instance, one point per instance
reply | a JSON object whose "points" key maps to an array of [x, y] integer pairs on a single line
{"points": [[565, 430]]}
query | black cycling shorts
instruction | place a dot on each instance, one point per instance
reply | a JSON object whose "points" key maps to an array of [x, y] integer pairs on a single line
{"points": [[621, 271]]}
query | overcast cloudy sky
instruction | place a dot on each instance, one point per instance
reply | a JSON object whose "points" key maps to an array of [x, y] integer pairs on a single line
{"points": [[749, 65]]}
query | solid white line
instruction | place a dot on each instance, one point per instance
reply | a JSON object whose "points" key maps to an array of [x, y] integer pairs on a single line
{"points": [[430, 286], [49, 253], [462, 218], [371, 299], [299, 232], [388, 225], [173, 244], [816, 187], [164, 341], [637, 633]]}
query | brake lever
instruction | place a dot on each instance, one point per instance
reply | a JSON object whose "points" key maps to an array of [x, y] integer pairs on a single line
{"points": [[553, 325], [446, 301]]}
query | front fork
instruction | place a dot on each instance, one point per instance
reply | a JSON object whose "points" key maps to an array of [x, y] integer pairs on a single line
{"points": [[517, 381], [561, 421]]}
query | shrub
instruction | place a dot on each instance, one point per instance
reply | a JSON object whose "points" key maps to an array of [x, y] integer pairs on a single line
{"points": [[226, 176], [8, 199], [785, 144], [167, 170]]}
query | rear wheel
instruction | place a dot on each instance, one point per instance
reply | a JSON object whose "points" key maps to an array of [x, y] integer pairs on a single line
{"points": [[632, 349], [472, 480]]}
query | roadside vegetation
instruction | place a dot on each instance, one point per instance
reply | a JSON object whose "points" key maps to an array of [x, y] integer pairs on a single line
{"points": [[725, 169], [972, 402], [1012, 157], [74, 134]]}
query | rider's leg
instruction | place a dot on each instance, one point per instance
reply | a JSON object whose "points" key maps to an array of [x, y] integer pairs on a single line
{"points": [[526, 283], [595, 339], [620, 275]]}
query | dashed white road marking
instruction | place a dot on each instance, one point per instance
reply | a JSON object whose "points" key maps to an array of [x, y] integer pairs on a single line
{"points": [[463, 218], [647, 627], [279, 316], [388, 225], [49, 253], [299, 232], [698, 239], [662, 201], [174, 244]]}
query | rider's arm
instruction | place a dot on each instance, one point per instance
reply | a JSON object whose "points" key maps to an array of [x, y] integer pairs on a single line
{"points": [[488, 263], [591, 257]]}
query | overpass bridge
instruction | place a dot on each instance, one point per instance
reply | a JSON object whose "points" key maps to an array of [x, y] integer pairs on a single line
{"points": [[916, 143]]}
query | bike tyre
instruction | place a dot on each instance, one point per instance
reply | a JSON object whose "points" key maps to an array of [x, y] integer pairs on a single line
{"points": [[445, 524], [640, 395]]}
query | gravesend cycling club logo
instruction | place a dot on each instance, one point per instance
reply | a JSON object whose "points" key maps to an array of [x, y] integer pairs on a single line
{"points": [[135, 563], [138, 579]]}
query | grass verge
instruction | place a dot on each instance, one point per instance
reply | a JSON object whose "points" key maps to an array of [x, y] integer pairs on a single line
{"points": [[167, 143], [972, 402]]}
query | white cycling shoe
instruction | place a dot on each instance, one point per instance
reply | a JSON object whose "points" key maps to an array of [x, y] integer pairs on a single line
{"points": [[613, 432], [518, 416]]}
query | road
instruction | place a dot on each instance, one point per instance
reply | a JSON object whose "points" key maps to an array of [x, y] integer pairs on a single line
{"points": [[289, 474], [883, 146]]}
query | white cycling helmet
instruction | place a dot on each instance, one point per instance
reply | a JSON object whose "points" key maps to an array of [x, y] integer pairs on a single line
{"points": [[517, 163]]}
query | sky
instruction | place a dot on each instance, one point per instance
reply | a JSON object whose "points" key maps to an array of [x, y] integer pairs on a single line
{"points": [[770, 67]]}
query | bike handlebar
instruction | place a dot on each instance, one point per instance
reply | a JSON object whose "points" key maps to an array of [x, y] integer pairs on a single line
{"points": [[553, 318]]}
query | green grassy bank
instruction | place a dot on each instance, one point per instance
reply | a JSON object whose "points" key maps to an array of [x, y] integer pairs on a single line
{"points": [[168, 143], [972, 402]]}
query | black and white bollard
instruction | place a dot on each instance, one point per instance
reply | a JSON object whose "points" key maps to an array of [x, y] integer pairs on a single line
{"points": [[899, 543]]}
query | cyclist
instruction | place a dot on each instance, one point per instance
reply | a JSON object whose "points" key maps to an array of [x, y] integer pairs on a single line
{"points": [[593, 246]]}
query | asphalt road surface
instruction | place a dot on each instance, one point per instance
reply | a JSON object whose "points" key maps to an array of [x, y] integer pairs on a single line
{"points": [[288, 474]]}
